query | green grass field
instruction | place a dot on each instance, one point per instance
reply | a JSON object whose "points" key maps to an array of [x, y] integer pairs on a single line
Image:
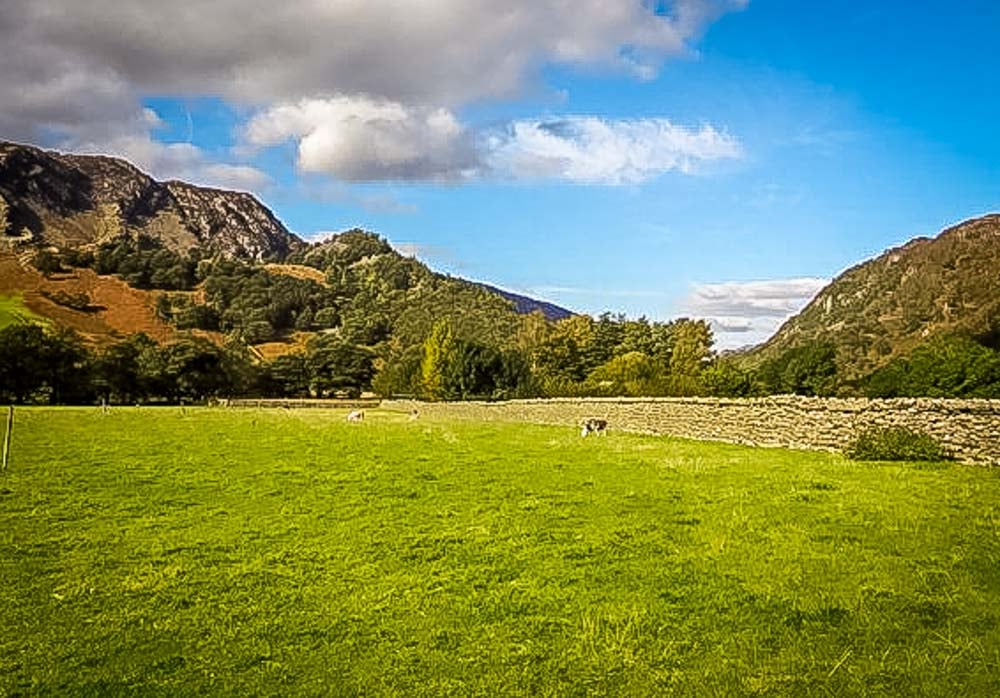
{"points": [[13, 311], [169, 552]]}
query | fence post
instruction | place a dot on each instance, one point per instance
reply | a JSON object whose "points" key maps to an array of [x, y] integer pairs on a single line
{"points": [[6, 436]]}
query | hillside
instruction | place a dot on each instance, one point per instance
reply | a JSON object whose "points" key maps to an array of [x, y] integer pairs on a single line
{"points": [[105, 214], [885, 307]]}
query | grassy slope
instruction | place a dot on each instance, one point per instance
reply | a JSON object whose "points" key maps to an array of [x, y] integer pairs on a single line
{"points": [[13, 311], [289, 553]]}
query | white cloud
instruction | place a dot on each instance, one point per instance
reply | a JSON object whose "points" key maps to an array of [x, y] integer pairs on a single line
{"points": [[599, 151], [357, 138], [748, 312], [182, 161], [363, 139]]}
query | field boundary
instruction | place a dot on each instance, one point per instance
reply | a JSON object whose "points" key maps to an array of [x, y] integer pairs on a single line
{"points": [[332, 403], [968, 429]]}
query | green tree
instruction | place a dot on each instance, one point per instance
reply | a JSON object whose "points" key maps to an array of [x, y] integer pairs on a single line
{"points": [[338, 366], [288, 376], [438, 352], [945, 366], [691, 350], [723, 378], [119, 370], [634, 374], [36, 365], [810, 369]]}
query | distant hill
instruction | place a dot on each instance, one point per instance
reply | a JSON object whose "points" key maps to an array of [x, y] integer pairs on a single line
{"points": [[884, 307], [525, 305]]}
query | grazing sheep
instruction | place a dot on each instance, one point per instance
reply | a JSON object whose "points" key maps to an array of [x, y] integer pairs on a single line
{"points": [[414, 415], [594, 426], [356, 416]]}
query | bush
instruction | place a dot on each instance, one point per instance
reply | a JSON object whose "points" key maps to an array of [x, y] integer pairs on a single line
{"points": [[895, 444]]}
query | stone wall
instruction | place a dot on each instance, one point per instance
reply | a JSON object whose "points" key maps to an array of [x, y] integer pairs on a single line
{"points": [[969, 429]]}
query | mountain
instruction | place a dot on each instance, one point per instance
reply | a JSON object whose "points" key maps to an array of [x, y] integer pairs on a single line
{"points": [[79, 200], [73, 220], [525, 305], [885, 307]]}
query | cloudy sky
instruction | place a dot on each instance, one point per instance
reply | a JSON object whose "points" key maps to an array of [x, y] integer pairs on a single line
{"points": [[709, 158]]}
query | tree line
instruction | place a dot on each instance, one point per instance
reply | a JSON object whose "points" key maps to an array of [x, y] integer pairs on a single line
{"points": [[42, 365]]}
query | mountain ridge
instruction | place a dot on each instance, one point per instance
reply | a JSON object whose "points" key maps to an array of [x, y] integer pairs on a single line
{"points": [[884, 307]]}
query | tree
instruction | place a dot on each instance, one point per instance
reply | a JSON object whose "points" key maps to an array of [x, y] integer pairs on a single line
{"points": [[947, 366], [691, 351], [288, 376], [723, 378], [336, 365], [399, 372], [439, 349], [633, 373], [39, 364], [810, 369], [193, 369], [119, 370]]}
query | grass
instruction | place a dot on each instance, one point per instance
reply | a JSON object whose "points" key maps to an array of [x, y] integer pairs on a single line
{"points": [[13, 311], [170, 552]]}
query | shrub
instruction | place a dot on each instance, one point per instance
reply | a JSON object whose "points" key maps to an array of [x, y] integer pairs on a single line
{"points": [[894, 444]]}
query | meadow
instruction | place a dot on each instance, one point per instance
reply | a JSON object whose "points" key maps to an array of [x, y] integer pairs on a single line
{"points": [[168, 551]]}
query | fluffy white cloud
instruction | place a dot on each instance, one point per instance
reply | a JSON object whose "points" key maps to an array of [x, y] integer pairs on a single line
{"points": [[359, 138], [178, 161], [748, 312], [600, 151], [362, 139]]}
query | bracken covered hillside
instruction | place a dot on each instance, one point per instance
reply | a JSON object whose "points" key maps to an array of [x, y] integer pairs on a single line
{"points": [[885, 307]]}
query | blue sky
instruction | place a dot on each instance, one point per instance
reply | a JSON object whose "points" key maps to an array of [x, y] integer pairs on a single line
{"points": [[715, 158]]}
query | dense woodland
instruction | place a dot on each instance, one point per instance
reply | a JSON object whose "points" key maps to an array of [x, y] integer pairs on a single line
{"points": [[385, 322]]}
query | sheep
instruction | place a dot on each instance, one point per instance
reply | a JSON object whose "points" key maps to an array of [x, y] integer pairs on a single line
{"points": [[356, 416], [594, 426]]}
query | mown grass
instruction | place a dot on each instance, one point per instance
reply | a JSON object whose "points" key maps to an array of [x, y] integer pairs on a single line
{"points": [[170, 552], [13, 311]]}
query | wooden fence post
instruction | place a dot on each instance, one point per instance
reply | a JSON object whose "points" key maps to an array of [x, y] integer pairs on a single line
{"points": [[6, 436]]}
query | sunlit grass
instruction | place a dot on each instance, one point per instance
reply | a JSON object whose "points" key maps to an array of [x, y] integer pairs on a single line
{"points": [[290, 553], [13, 311]]}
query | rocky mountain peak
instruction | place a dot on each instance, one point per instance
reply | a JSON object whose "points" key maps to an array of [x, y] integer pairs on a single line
{"points": [[65, 200]]}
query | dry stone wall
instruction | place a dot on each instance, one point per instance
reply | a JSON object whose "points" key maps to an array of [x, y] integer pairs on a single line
{"points": [[969, 429]]}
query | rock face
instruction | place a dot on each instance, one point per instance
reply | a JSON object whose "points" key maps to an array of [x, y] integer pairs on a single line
{"points": [[74, 200], [886, 306]]}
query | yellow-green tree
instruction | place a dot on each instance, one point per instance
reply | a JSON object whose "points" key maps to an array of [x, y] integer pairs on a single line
{"points": [[439, 349], [692, 349]]}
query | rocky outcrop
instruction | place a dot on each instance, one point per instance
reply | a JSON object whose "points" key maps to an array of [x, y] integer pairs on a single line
{"points": [[65, 201]]}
